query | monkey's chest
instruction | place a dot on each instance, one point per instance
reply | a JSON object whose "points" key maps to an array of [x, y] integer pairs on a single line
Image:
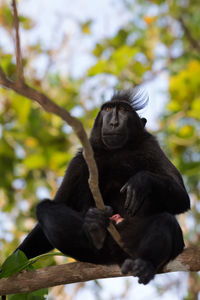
{"points": [[115, 174], [111, 182]]}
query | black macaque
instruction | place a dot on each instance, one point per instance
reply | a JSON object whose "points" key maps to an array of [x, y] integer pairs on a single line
{"points": [[137, 182]]}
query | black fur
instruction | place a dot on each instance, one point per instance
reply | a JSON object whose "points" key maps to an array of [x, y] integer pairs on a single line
{"points": [[137, 98], [136, 180]]}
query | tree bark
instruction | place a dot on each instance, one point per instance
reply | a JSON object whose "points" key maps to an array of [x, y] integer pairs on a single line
{"points": [[29, 281]]}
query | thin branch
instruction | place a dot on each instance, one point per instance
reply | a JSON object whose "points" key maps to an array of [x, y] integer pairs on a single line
{"points": [[195, 44], [49, 106], [26, 282], [20, 76], [23, 89]]}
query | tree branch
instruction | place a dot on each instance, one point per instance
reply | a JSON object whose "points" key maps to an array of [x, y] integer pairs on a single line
{"points": [[48, 105], [195, 44], [20, 76], [76, 272], [26, 282]]}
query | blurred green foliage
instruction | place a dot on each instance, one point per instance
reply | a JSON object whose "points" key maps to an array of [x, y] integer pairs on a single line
{"points": [[37, 295], [35, 147]]}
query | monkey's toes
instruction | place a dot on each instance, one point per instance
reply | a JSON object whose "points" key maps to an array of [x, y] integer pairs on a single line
{"points": [[143, 269]]}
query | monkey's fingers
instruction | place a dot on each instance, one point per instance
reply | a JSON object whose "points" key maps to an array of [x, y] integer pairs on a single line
{"points": [[108, 211], [132, 203], [123, 189], [128, 197], [98, 236], [137, 205]]}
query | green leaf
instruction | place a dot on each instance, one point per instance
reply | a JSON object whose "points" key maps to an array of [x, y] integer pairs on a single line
{"points": [[7, 15], [100, 67], [8, 66], [22, 107], [85, 27], [117, 62], [13, 264], [37, 295], [35, 161], [27, 23]]}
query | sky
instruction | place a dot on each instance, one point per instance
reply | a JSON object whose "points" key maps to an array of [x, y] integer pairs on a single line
{"points": [[60, 17]]}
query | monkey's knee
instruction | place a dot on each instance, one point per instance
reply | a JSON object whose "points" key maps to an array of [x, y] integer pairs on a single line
{"points": [[43, 208]]}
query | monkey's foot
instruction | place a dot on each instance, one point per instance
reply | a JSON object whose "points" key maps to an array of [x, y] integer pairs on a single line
{"points": [[143, 269]]}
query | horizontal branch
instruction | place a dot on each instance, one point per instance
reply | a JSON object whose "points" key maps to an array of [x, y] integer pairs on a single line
{"points": [[30, 281]]}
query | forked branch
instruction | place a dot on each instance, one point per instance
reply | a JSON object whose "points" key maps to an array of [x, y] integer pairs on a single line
{"points": [[48, 105], [76, 272]]}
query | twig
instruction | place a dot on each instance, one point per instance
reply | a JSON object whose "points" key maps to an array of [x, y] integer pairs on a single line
{"points": [[30, 281], [20, 76], [23, 89], [49, 106], [195, 44]]}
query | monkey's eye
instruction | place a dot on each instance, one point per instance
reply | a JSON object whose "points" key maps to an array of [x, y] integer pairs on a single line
{"points": [[122, 108], [108, 108]]}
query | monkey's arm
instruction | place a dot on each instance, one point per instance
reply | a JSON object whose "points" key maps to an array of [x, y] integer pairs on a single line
{"points": [[157, 192]]}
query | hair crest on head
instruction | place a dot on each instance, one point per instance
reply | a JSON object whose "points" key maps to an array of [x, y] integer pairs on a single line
{"points": [[137, 97]]}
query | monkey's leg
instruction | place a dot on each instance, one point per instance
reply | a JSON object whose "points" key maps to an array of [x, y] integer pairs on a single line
{"points": [[64, 229], [35, 243], [161, 242]]}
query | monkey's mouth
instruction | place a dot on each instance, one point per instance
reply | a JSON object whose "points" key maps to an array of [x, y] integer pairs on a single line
{"points": [[110, 134], [113, 140]]}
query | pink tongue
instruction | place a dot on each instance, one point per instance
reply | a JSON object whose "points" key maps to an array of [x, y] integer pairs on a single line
{"points": [[116, 218]]}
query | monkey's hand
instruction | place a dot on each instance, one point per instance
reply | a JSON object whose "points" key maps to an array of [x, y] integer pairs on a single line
{"points": [[96, 222], [137, 192]]}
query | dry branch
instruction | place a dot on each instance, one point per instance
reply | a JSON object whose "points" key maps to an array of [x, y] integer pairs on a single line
{"points": [[75, 272], [30, 281], [48, 105], [17, 44], [194, 43]]}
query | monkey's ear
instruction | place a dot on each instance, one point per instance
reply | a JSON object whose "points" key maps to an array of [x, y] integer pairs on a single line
{"points": [[144, 121]]}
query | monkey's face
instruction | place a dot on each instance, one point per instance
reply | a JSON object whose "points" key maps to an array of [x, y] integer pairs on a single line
{"points": [[114, 131], [120, 124]]}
